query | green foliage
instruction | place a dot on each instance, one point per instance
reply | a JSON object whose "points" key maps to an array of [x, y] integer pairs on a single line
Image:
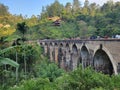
{"points": [[115, 81], [87, 79], [22, 28], [4, 61], [79, 79], [50, 71], [54, 9], [34, 84]]}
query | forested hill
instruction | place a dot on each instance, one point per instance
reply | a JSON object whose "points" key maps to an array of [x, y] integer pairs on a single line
{"points": [[73, 20]]}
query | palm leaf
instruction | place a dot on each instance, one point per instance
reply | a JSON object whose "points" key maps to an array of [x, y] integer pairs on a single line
{"points": [[8, 61], [6, 49], [9, 48], [12, 38]]}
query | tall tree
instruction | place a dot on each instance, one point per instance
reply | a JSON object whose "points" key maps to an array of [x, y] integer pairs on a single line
{"points": [[55, 9], [76, 6], [93, 8], [68, 7], [22, 27], [107, 7], [82, 29], [86, 8], [86, 3], [3, 10]]}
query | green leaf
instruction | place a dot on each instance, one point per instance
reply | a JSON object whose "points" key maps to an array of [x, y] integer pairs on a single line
{"points": [[4, 61], [12, 38], [6, 49], [10, 48]]}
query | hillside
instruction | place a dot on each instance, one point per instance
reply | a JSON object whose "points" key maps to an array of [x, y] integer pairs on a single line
{"points": [[75, 22]]}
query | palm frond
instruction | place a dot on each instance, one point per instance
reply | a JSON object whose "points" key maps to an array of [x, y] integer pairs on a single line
{"points": [[9, 48], [8, 61], [6, 49], [12, 38]]}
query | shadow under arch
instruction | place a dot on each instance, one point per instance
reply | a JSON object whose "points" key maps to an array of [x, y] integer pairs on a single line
{"points": [[51, 44], [56, 44], [56, 52], [74, 49], [67, 59], [102, 61], [84, 56], [67, 46], [60, 55], [61, 45]]}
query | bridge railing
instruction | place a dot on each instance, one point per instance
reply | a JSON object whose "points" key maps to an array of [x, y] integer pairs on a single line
{"points": [[77, 40]]}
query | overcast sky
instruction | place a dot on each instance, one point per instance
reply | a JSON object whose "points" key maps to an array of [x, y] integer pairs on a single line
{"points": [[30, 7]]}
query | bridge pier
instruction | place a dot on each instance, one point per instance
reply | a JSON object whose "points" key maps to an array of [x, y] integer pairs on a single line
{"points": [[56, 54]]}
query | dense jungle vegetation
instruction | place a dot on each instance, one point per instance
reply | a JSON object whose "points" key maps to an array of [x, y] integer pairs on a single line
{"points": [[23, 65]]}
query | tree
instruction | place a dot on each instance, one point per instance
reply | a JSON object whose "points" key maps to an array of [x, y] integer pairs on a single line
{"points": [[93, 8], [3, 10], [82, 29], [50, 71], [107, 7], [22, 27], [86, 8], [76, 6], [8, 61], [55, 9], [68, 7]]}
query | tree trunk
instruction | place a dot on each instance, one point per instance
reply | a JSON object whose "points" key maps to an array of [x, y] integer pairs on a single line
{"points": [[16, 68]]}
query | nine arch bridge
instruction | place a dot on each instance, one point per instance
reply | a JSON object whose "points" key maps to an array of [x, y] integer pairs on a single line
{"points": [[103, 54]]}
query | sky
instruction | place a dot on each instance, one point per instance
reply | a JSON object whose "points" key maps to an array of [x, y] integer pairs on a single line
{"points": [[30, 7]]}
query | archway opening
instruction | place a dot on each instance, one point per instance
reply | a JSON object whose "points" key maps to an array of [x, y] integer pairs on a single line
{"points": [[67, 57], [51, 51], [84, 57], [60, 55], [74, 49], [56, 52], [74, 56], [56, 44], [51, 44], [102, 62], [61, 45]]}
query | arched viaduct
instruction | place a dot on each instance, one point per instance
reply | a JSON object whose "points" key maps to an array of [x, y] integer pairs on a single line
{"points": [[103, 54]]}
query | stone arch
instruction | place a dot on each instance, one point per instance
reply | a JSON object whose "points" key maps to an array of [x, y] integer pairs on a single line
{"points": [[41, 44], [75, 56], [67, 46], [103, 61], [56, 52], [46, 44], [56, 44], [51, 44], [61, 45], [67, 57], [60, 56], [51, 51], [84, 56], [74, 49]]}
